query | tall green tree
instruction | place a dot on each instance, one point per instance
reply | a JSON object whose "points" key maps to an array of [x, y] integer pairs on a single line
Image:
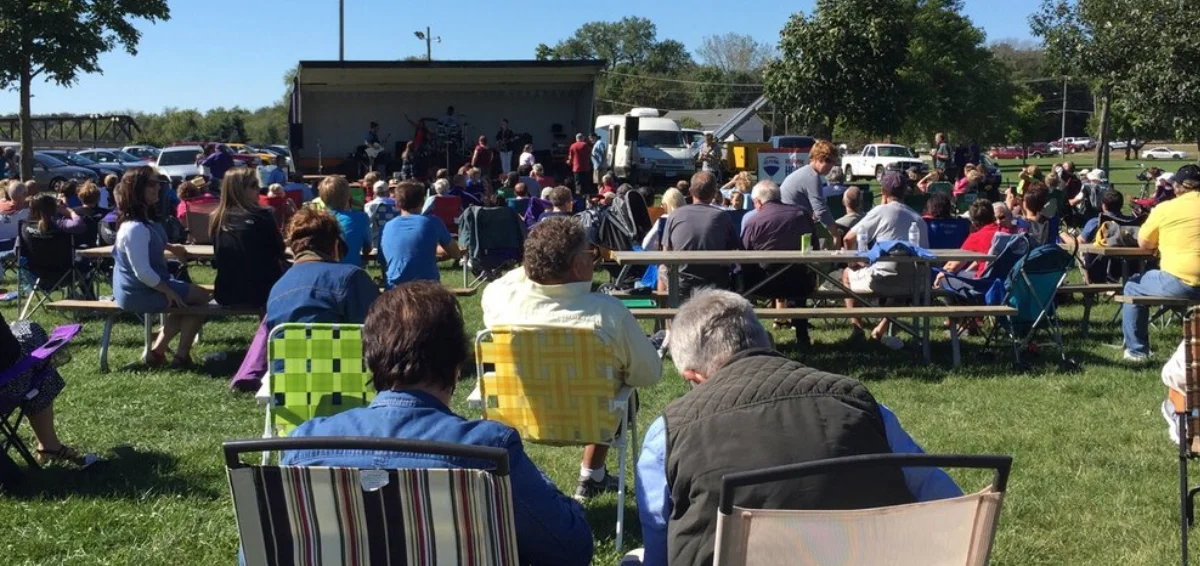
{"points": [[839, 66], [58, 39], [1101, 42]]}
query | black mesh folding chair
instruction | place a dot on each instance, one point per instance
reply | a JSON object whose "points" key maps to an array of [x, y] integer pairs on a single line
{"points": [[46, 264]]}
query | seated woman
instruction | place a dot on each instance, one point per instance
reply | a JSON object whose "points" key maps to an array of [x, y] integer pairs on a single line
{"points": [[934, 176], [319, 287], [983, 228], [48, 216], [414, 343], [538, 173], [192, 193], [141, 280], [68, 192], [92, 214], [248, 249], [939, 207], [17, 341], [356, 227]]}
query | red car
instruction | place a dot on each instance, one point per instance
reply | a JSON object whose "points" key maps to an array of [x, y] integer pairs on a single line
{"points": [[1010, 152]]}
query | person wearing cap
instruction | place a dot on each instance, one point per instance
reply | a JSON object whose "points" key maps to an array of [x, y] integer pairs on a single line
{"points": [[193, 193], [1173, 229], [888, 221], [1086, 203]]}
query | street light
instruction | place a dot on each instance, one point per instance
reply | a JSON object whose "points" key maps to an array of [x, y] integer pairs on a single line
{"points": [[429, 39]]}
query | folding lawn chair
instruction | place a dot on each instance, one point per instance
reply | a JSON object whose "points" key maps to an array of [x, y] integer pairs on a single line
{"points": [[46, 264], [10, 417], [916, 201], [198, 216], [1185, 405], [941, 187], [382, 214], [1031, 288], [965, 200], [447, 208], [313, 370], [493, 240], [291, 515], [558, 385], [948, 532]]}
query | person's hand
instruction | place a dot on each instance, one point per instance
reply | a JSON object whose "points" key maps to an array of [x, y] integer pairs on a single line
{"points": [[173, 298], [180, 253], [937, 281]]}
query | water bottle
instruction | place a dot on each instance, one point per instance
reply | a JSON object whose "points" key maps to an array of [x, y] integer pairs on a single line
{"points": [[914, 235], [862, 241]]}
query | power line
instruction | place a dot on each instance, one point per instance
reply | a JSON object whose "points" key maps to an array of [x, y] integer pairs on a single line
{"points": [[682, 81]]}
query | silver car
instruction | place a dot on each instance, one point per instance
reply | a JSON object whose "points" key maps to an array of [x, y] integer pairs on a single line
{"points": [[49, 172]]}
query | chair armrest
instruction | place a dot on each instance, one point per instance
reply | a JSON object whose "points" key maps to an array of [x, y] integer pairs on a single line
{"points": [[263, 395], [621, 400]]}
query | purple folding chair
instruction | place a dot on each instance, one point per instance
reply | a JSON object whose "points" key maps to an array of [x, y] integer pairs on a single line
{"points": [[38, 360]]}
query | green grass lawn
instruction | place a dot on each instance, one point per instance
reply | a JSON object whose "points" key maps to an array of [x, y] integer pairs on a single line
{"points": [[1093, 478]]}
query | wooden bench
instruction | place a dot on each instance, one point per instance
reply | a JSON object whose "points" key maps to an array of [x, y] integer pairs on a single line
{"points": [[458, 291], [1089, 292], [953, 313], [1155, 301], [111, 311]]}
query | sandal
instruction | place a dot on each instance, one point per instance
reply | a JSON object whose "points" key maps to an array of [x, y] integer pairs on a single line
{"points": [[154, 359], [182, 362], [65, 454]]}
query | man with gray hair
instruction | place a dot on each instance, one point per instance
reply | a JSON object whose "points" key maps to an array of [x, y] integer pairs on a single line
{"points": [[779, 227], [750, 408], [579, 157]]}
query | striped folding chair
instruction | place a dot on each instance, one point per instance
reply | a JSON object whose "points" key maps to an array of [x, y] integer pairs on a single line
{"points": [[1186, 408], [313, 370], [557, 385], [325, 516]]}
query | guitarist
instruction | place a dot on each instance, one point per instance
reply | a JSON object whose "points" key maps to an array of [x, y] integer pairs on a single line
{"points": [[374, 145]]}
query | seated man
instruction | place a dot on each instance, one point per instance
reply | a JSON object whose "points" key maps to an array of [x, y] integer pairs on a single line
{"points": [[778, 226], [414, 344], [554, 286], [730, 422], [410, 242], [1173, 228], [562, 201], [701, 226], [888, 221], [458, 189], [1100, 269]]}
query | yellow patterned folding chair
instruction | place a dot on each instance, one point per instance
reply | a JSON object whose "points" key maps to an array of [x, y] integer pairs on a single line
{"points": [[558, 385], [313, 370], [1184, 407], [330, 516]]}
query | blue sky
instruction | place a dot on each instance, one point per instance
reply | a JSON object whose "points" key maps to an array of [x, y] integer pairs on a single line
{"points": [[233, 53]]}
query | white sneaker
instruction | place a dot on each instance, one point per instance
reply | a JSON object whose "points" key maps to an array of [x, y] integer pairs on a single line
{"points": [[1135, 358]]}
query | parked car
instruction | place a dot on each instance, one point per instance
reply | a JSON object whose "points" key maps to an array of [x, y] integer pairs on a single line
{"points": [[178, 163], [876, 158], [264, 157], [146, 152], [101, 170], [111, 155], [281, 155], [1163, 153], [1118, 144], [49, 171], [1037, 150], [1007, 152]]}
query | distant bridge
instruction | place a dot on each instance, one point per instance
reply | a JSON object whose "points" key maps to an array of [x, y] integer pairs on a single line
{"points": [[74, 131]]}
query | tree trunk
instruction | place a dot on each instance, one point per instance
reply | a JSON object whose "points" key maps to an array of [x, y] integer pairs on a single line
{"points": [[1102, 144], [26, 123]]}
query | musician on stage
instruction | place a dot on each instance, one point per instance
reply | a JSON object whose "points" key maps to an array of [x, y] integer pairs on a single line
{"points": [[504, 144], [374, 144]]}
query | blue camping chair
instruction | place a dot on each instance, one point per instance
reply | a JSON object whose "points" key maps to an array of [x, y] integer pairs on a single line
{"points": [[948, 233], [1031, 288]]}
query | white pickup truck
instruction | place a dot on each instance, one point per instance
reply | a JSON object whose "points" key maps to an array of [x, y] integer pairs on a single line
{"points": [[876, 158]]}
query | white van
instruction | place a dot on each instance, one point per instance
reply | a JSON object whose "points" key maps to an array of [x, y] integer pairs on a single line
{"points": [[660, 151]]}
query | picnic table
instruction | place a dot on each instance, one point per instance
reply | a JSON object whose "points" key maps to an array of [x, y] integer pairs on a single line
{"points": [[781, 261], [195, 251]]}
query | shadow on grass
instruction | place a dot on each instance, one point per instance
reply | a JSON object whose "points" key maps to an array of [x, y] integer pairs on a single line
{"points": [[126, 473], [602, 518]]}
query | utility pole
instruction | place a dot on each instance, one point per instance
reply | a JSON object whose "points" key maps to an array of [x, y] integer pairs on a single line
{"points": [[1063, 136], [428, 44], [341, 30]]}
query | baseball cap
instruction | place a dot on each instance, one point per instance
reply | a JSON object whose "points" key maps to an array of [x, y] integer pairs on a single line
{"points": [[380, 186], [1097, 176], [891, 181], [1187, 173]]}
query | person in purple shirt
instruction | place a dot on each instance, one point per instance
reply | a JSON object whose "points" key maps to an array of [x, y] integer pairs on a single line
{"points": [[217, 162], [778, 227], [414, 343]]}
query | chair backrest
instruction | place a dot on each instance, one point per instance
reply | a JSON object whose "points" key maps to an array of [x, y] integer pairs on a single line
{"points": [[351, 516], [867, 195], [957, 531], [948, 233], [835, 206], [916, 201], [447, 208], [358, 196], [1034, 281], [964, 201], [315, 370], [198, 216], [296, 196], [281, 207], [47, 255], [380, 216], [655, 213], [554, 384], [941, 187], [518, 205], [1191, 394], [536, 207]]}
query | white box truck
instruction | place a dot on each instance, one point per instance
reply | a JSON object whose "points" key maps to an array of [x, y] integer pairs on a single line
{"points": [[644, 147]]}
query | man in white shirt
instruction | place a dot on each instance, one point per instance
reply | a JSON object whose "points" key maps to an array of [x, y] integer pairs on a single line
{"points": [[554, 286], [527, 156]]}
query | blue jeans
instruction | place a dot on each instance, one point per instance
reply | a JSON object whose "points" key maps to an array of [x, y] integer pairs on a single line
{"points": [[1135, 319]]}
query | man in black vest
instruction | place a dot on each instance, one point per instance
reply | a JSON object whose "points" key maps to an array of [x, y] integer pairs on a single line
{"points": [[751, 408]]}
